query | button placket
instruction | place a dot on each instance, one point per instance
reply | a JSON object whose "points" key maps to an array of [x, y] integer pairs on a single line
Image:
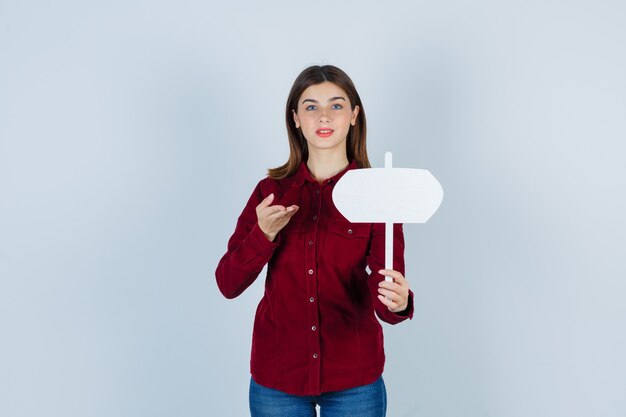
{"points": [[312, 276]]}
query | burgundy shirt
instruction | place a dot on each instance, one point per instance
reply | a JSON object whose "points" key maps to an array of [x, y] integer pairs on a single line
{"points": [[315, 329]]}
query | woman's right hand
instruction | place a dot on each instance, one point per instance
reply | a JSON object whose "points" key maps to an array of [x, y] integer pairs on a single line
{"points": [[273, 218]]}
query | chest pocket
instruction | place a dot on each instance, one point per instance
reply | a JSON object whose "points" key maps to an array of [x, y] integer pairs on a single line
{"points": [[346, 244]]}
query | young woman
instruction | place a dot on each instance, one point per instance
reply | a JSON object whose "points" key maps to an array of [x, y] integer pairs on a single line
{"points": [[316, 339]]}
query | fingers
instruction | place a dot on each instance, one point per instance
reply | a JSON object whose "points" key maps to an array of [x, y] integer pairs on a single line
{"points": [[281, 212], [272, 218], [394, 294], [266, 202], [272, 211], [389, 295], [397, 276], [393, 305], [279, 219], [265, 205], [392, 286]]}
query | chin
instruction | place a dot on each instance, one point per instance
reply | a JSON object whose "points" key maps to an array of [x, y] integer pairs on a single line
{"points": [[327, 145]]}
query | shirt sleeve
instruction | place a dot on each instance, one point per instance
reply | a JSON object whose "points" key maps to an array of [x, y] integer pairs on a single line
{"points": [[376, 262], [248, 251]]}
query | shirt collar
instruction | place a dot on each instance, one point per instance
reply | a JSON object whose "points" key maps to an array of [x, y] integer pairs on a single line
{"points": [[303, 174]]}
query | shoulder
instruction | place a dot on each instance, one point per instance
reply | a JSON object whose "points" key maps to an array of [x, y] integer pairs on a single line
{"points": [[268, 185]]}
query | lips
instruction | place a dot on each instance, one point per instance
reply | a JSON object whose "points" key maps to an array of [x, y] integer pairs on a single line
{"points": [[324, 132]]}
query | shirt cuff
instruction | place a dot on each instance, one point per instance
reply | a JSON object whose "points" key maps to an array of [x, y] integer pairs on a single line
{"points": [[408, 311], [260, 243]]}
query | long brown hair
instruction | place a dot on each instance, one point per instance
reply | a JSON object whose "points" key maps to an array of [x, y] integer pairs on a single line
{"points": [[298, 147]]}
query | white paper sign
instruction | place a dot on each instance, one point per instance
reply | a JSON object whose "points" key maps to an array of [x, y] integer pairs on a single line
{"points": [[387, 195]]}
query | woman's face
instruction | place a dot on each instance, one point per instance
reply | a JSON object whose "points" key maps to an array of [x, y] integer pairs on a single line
{"points": [[324, 114]]}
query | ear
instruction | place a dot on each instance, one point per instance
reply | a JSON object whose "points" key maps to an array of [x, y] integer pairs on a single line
{"points": [[355, 113], [295, 118]]}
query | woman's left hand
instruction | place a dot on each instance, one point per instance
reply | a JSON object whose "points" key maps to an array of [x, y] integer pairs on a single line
{"points": [[395, 295]]}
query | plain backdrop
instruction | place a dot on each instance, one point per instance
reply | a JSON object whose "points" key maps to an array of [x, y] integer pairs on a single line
{"points": [[133, 132]]}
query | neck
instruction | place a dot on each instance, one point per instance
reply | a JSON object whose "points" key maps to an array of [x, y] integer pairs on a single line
{"points": [[324, 165]]}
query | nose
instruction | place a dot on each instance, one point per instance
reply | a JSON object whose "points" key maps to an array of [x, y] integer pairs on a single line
{"points": [[324, 117]]}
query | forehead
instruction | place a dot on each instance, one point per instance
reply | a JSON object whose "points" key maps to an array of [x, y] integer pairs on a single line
{"points": [[323, 92]]}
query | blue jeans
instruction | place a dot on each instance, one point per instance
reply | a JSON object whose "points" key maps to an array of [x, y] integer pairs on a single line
{"points": [[364, 401]]}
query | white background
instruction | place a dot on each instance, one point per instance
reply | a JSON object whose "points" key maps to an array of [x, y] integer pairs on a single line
{"points": [[133, 132]]}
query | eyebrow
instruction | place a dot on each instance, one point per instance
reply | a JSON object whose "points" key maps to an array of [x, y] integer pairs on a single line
{"points": [[329, 100]]}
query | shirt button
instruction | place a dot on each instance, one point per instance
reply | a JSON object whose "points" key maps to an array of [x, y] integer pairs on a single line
{"points": [[313, 328], [315, 217], [315, 356], [349, 231], [311, 299], [310, 272], [310, 242]]}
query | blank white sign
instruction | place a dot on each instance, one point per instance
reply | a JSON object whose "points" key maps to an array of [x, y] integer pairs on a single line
{"points": [[381, 195]]}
